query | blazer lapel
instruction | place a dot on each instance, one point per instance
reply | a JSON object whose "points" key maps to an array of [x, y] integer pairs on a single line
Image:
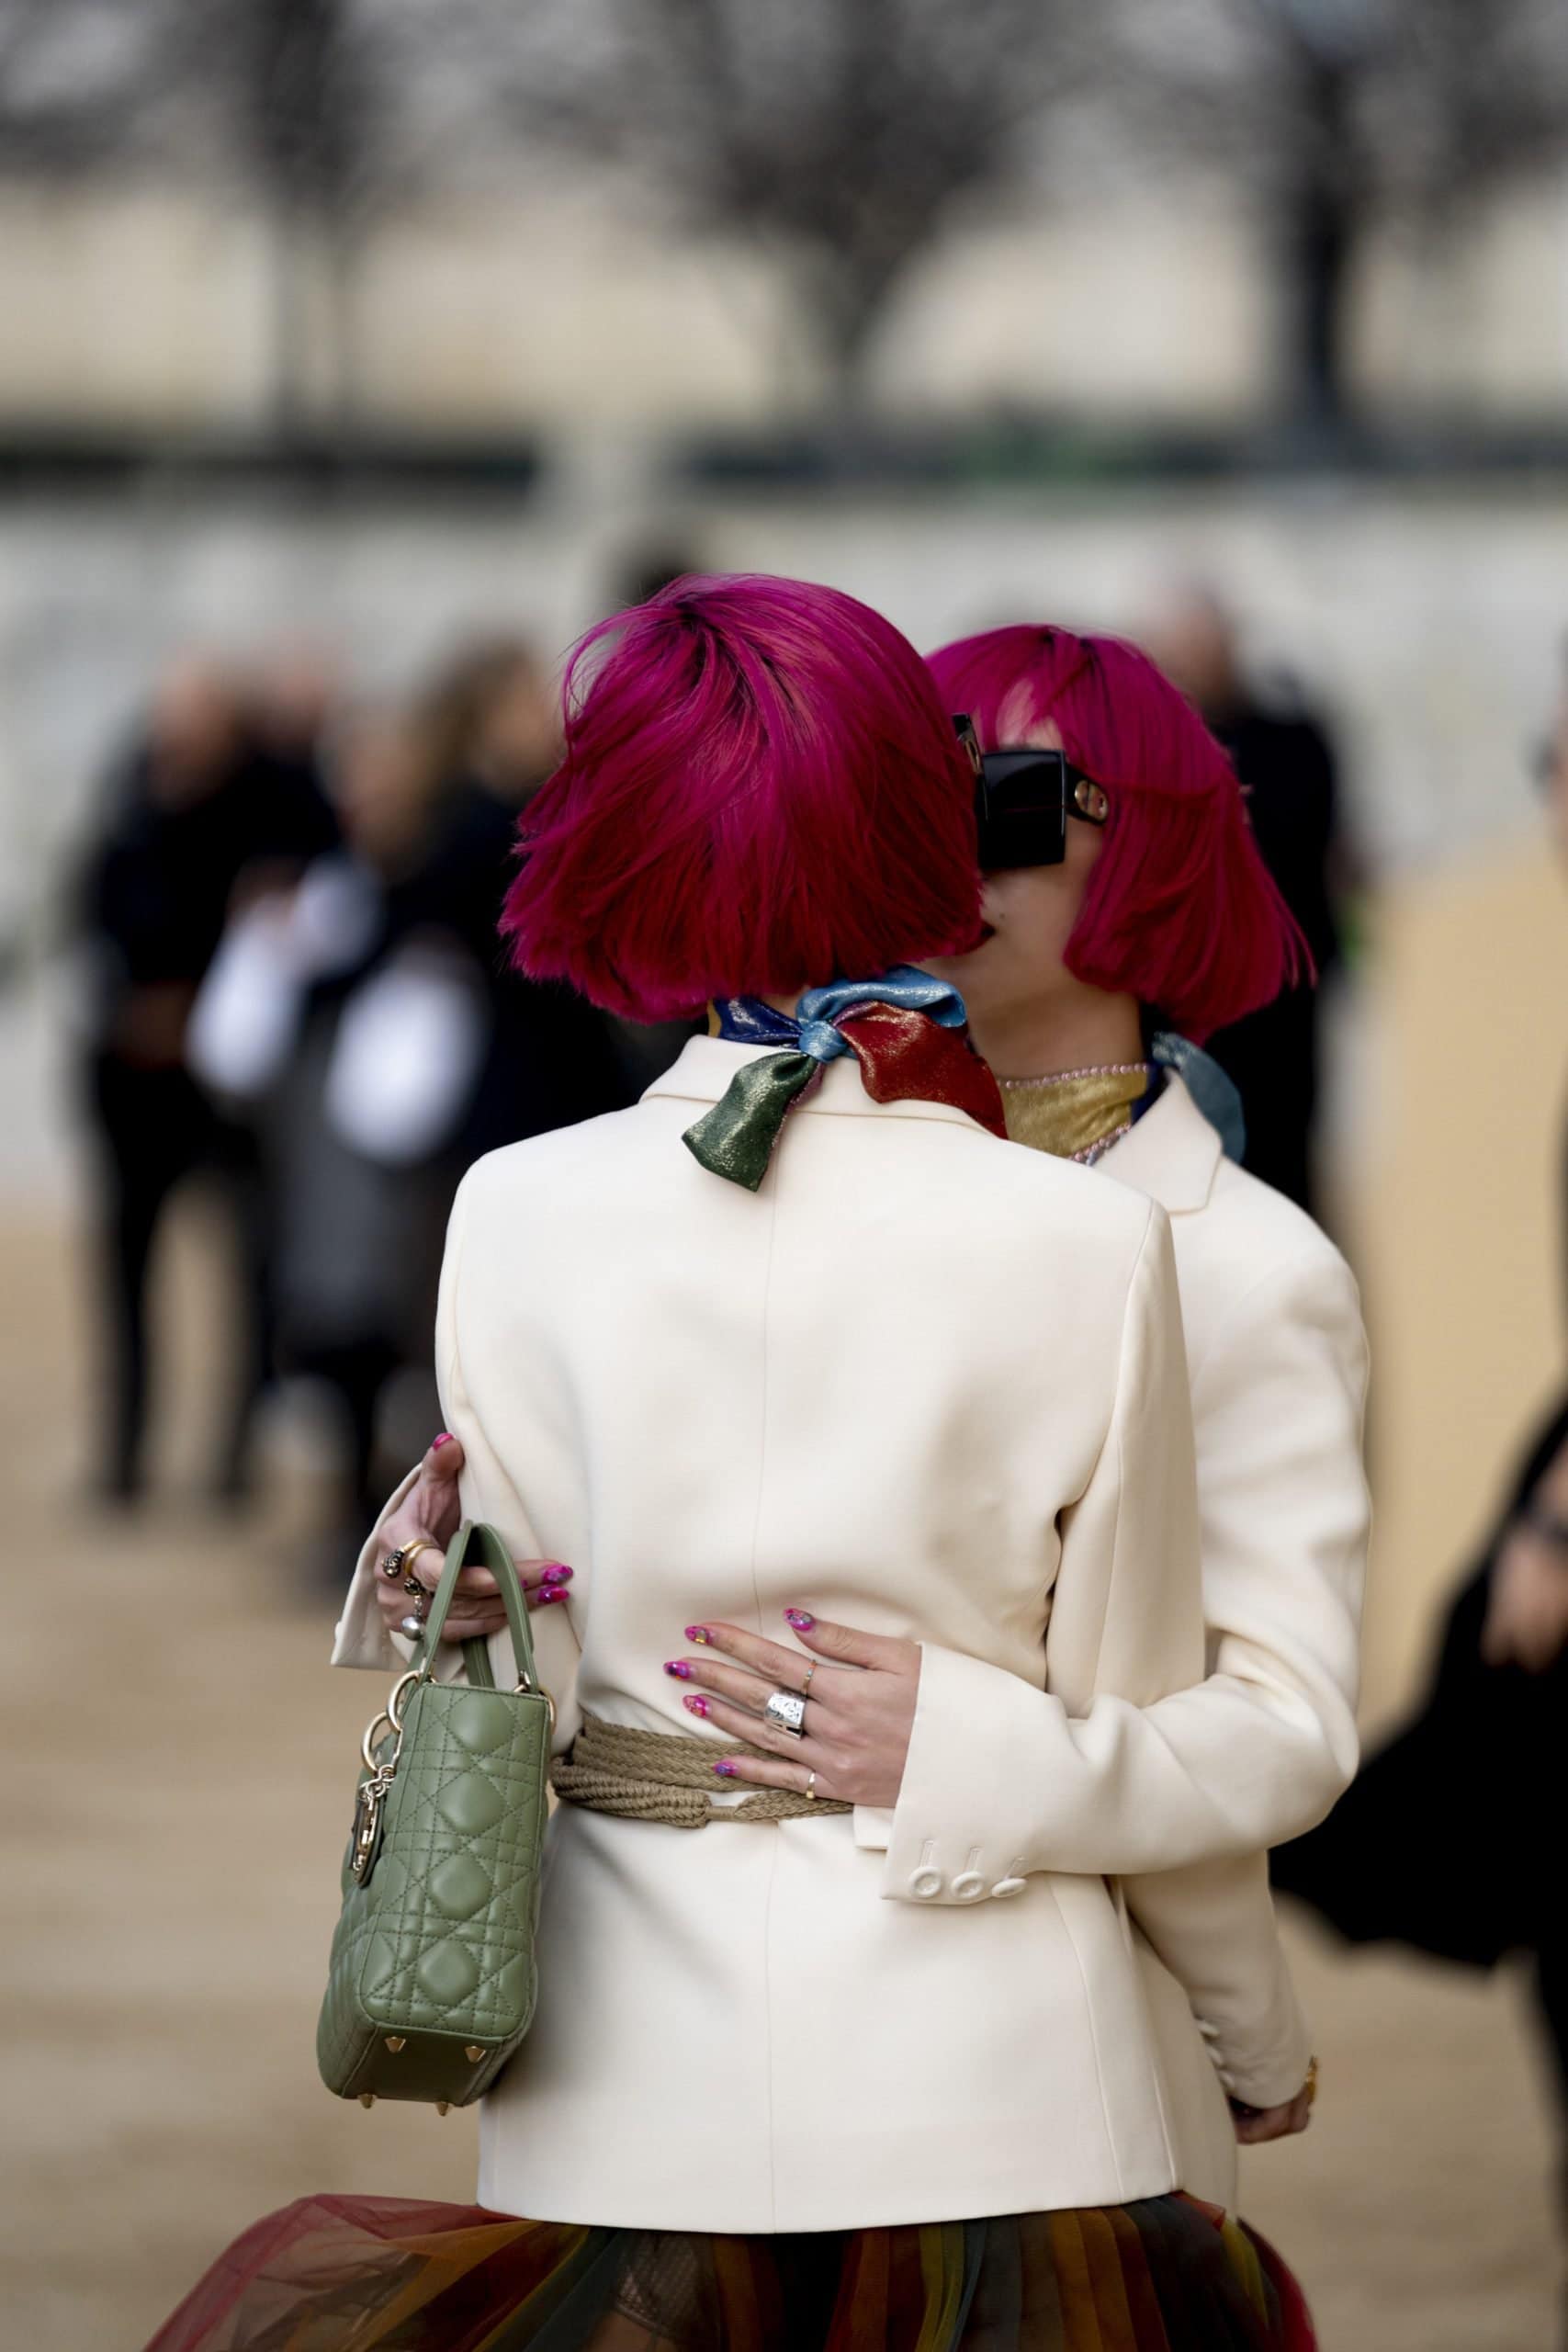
{"points": [[1172, 1153]]}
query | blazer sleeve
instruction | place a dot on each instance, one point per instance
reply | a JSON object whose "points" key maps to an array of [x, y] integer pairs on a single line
{"points": [[359, 1638], [487, 1491], [1213, 1927], [1003, 1778], [1125, 1783]]}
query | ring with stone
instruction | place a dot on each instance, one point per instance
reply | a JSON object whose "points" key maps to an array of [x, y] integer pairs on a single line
{"points": [[786, 1710], [810, 1670], [400, 1559]]}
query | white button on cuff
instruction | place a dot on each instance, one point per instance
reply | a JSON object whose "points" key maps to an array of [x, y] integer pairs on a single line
{"points": [[925, 1884], [1006, 1887], [1226, 2078], [968, 1887], [1210, 2032]]}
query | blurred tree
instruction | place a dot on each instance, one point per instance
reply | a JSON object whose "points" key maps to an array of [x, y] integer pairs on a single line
{"points": [[294, 97], [842, 137], [296, 103], [1347, 116]]}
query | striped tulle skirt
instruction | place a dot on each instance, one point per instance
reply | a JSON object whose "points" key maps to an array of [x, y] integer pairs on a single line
{"points": [[391, 2274]]}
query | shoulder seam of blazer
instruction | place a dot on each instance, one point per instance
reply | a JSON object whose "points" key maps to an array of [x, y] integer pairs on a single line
{"points": [[1315, 1267]]}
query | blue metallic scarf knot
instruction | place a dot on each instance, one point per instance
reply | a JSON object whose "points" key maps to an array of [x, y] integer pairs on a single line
{"points": [[906, 1030]]}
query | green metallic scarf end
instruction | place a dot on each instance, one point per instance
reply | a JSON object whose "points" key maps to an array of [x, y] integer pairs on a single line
{"points": [[736, 1138]]}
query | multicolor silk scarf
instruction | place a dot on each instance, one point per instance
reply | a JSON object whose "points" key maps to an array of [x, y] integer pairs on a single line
{"points": [[907, 1031]]}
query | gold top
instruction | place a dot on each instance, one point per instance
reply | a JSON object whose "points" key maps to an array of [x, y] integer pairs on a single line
{"points": [[1077, 1115]]}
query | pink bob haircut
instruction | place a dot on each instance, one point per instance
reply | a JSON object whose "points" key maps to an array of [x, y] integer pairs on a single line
{"points": [[1180, 909], [761, 790]]}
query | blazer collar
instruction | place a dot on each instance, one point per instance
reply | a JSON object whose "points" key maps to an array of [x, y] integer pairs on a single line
{"points": [[1172, 1153], [707, 1064]]}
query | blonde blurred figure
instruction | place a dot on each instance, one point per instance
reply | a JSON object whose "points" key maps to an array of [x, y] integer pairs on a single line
{"points": [[1479, 1771]]}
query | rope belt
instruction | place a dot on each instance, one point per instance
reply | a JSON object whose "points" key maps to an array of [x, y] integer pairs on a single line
{"points": [[663, 1776]]}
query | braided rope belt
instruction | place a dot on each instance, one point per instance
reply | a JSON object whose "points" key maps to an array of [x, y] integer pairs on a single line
{"points": [[662, 1776]]}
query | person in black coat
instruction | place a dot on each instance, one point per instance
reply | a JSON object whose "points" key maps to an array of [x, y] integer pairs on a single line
{"points": [[1451, 1838], [190, 808], [1285, 759]]}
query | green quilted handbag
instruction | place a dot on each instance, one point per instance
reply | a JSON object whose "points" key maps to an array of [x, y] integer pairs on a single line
{"points": [[432, 1982]]}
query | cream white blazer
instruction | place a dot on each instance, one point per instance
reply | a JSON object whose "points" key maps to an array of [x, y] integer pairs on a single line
{"points": [[1278, 1361], [1277, 1352], [935, 1385]]}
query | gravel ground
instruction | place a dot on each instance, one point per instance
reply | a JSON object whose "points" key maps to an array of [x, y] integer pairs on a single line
{"points": [[172, 1844]]}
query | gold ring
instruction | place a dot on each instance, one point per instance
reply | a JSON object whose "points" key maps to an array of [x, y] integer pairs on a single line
{"points": [[811, 1786], [809, 1672], [395, 1563]]}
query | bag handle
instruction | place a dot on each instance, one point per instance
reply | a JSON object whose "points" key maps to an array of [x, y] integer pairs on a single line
{"points": [[478, 1535]]}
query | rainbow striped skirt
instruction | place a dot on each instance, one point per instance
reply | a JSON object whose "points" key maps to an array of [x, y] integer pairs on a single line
{"points": [[391, 2274]]}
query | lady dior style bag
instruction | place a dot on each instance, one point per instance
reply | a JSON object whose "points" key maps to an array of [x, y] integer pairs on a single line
{"points": [[432, 1981]]}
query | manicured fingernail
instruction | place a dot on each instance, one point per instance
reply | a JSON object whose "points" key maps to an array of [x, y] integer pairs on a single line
{"points": [[697, 1633], [557, 1593], [445, 1439], [557, 1575], [726, 1771], [697, 1706], [681, 1666], [801, 1619]]}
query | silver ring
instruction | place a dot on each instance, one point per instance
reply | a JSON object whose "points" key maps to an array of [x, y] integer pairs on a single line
{"points": [[786, 1710]]}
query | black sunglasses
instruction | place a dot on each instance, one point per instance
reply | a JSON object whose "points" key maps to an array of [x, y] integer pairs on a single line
{"points": [[1022, 801]]}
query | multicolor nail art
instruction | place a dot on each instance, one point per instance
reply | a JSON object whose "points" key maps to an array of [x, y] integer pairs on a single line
{"points": [[681, 1666], [697, 1706], [725, 1771], [556, 1573], [801, 1619], [556, 1592], [445, 1439], [698, 1633]]}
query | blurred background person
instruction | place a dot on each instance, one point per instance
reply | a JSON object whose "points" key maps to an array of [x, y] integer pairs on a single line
{"points": [[367, 1020], [1284, 754], [189, 810]]}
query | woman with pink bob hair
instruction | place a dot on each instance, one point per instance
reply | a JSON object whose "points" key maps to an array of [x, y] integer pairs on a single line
{"points": [[759, 786], [847, 1416], [1096, 976], [1172, 905]]}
